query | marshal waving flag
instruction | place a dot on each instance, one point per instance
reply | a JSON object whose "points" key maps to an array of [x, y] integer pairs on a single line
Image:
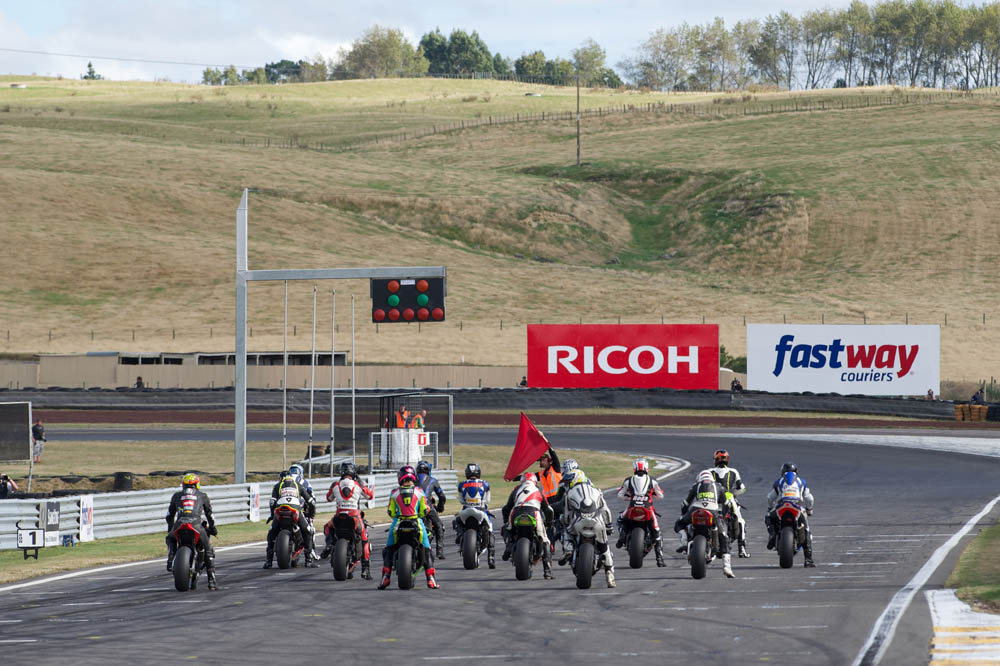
{"points": [[530, 446]]}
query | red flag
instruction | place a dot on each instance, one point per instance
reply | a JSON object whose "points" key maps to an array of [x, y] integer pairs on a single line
{"points": [[530, 446]]}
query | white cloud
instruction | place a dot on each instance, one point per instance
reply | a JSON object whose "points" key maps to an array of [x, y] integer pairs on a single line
{"points": [[299, 46]]}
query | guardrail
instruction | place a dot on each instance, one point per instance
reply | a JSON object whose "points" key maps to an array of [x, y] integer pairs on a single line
{"points": [[143, 511]]}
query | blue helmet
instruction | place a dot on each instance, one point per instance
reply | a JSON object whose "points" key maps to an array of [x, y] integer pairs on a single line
{"points": [[296, 472], [788, 470]]}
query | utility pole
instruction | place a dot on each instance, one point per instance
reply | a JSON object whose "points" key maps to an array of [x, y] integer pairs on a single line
{"points": [[578, 114]]}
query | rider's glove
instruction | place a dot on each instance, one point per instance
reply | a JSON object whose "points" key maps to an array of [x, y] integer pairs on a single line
{"points": [[729, 496], [213, 530]]}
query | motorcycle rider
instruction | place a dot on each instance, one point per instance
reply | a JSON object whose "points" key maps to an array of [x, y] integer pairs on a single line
{"points": [[290, 491], [528, 498], [188, 505], [299, 472], [790, 486], [708, 495], [407, 502], [475, 492], [732, 485], [580, 489], [557, 502], [347, 494], [435, 502], [643, 485]]}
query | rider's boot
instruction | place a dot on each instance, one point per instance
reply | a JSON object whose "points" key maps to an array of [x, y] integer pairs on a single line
{"points": [[328, 548], [683, 536], [431, 583], [567, 554], [508, 548], [743, 549], [366, 569], [658, 549], [386, 578], [310, 560], [491, 554], [807, 550], [269, 562], [727, 566], [440, 551], [609, 573], [547, 563], [171, 551], [210, 568]]}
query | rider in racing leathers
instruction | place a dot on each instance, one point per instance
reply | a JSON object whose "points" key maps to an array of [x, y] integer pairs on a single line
{"points": [[790, 486], [475, 492], [187, 506], [581, 490], [641, 484], [407, 502], [708, 495], [290, 491], [528, 498], [732, 485], [348, 493], [435, 502]]}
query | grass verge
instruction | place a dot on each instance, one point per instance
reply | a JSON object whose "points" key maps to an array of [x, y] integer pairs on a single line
{"points": [[976, 577]]}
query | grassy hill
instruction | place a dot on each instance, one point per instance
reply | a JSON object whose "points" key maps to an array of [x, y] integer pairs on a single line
{"points": [[119, 201]]}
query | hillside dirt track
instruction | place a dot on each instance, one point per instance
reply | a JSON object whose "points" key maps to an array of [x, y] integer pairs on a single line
{"points": [[223, 417]]}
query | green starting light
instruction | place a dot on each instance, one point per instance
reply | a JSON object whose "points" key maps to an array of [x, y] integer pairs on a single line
{"points": [[422, 300], [393, 300]]}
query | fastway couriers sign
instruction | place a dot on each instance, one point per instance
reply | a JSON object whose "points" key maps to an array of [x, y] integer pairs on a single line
{"points": [[623, 356], [845, 359]]}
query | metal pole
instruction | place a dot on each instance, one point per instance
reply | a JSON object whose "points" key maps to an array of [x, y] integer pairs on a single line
{"points": [[354, 385], [333, 363], [284, 388], [451, 429], [31, 452], [312, 384], [578, 115], [240, 430]]}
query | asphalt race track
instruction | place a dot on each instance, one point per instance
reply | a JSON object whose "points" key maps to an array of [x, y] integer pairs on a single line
{"points": [[880, 515]]}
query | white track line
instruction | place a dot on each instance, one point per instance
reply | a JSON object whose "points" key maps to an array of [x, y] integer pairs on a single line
{"points": [[873, 650]]}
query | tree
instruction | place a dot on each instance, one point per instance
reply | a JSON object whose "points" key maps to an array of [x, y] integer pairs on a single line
{"points": [[282, 71], [502, 66], [744, 35], [588, 59], [775, 54], [468, 54], [819, 30], [610, 79], [230, 77], [257, 77], [662, 61], [211, 77], [853, 33], [313, 71], [435, 48], [382, 52], [531, 65], [559, 72], [91, 75]]}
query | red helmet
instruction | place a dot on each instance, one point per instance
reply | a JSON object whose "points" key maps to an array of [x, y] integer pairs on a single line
{"points": [[406, 473], [640, 466], [530, 476], [721, 457]]}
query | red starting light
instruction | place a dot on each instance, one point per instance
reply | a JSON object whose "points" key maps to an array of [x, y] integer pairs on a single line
{"points": [[437, 313], [393, 286], [379, 315], [422, 285], [394, 315], [423, 314], [408, 314]]}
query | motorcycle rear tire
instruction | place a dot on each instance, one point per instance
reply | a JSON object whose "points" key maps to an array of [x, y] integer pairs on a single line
{"points": [[697, 557], [283, 549], [470, 549], [786, 547], [341, 559], [636, 547], [183, 559], [584, 565], [404, 567], [522, 558]]}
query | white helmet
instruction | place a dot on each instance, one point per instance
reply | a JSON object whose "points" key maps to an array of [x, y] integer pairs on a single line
{"points": [[706, 476]]}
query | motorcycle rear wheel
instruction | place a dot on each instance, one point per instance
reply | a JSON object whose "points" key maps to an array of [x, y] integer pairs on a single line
{"points": [[341, 559], [470, 549], [182, 568], [404, 567], [636, 547], [522, 558], [283, 549], [697, 556], [584, 565], [786, 547]]}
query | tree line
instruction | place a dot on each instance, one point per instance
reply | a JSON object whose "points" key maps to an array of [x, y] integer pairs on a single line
{"points": [[929, 43]]}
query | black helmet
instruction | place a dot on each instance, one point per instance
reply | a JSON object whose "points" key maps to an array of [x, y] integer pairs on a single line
{"points": [[789, 467], [472, 470], [423, 467], [348, 469]]}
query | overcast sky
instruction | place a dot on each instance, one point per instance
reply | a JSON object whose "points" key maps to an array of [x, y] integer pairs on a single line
{"points": [[253, 32]]}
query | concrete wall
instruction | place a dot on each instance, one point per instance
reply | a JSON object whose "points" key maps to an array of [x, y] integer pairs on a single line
{"points": [[18, 374]]}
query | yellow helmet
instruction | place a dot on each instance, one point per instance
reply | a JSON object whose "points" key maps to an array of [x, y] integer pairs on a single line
{"points": [[192, 480]]}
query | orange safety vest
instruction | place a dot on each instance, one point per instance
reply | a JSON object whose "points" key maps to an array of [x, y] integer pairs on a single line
{"points": [[550, 481], [401, 418], [417, 421]]}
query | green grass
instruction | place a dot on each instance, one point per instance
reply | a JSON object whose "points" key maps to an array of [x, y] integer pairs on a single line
{"points": [[976, 577]]}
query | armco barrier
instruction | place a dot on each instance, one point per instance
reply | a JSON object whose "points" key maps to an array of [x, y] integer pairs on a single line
{"points": [[144, 511]]}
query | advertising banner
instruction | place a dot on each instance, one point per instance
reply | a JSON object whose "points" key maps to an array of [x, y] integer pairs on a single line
{"points": [[679, 356], [254, 502], [845, 359], [51, 521], [86, 518]]}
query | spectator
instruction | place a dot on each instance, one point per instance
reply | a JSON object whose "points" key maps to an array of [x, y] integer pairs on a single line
{"points": [[402, 417], [417, 421], [930, 394], [7, 486], [978, 398], [735, 386], [37, 437], [523, 383], [138, 383]]}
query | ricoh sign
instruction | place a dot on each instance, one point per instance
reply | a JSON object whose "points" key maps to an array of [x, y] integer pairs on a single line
{"points": [[623, 356], [845, 359]]}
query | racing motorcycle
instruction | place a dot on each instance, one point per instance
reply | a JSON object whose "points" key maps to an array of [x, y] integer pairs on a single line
{"points": [[189, 559], [638, 529], [475, 535], [409, 556], [346, 546], [586, 559], [289, 542], [703, 541], [789, 519], [527, 544]]}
